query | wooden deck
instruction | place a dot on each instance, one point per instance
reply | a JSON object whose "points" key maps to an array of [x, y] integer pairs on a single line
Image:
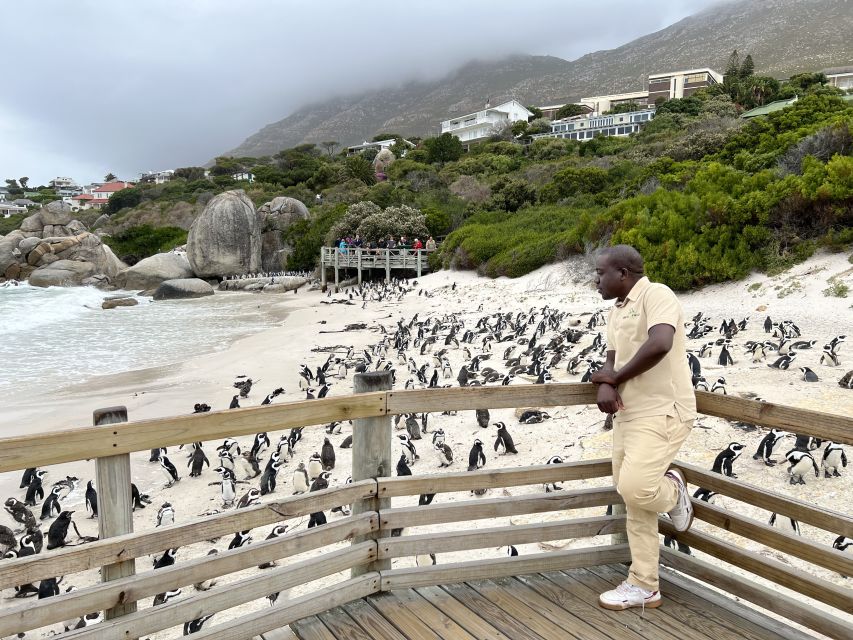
{"points": [[387, 260], [545, 606]]}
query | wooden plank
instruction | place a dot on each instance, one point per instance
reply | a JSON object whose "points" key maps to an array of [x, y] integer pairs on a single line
{"points": [[278, 616], [499, 567], [768, 568], [828, 426], [371, 456], [832, 521], [311, 628], [461, 398], [498, 536], [496, 616], [467, 619], [135, 545], [408, 611], [769, 599], [752, 623], [372, 621], [756, 531], [141, 623], [130, 589], [592, 613], [496, 507], [342, 626], [55, 447], [493, 478]]}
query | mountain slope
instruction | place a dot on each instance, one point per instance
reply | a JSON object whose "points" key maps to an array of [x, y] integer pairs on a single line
{"points": [[783, 36]]}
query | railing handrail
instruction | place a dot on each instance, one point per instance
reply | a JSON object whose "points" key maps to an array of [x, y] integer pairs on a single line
{"points": [[86, 443]]}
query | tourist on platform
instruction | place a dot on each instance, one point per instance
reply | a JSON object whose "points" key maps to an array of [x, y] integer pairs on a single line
{"points": [[392, 244], [430, 244], [342, 246], [417, 245]]}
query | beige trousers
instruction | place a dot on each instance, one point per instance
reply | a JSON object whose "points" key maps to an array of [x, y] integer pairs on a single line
{"points": [[643, 449]]}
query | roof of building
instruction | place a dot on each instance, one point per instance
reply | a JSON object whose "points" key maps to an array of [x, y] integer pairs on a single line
{"points": [[768, 108], [490, 108], [23, 201], [83, 196], [837, 71], [111, 187], [715, 74]]}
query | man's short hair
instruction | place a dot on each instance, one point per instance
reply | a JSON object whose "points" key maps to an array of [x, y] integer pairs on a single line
{"points": [[623, 256]]}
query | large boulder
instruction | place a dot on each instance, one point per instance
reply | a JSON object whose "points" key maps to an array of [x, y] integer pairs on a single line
{"points": [[183, 288], [112, 303], [277, 215], [56, 213], [7, 253], [150, 272], [32, 224], [62, 273], [226, 238]]}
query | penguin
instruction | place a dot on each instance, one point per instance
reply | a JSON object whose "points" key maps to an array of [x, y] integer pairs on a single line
{"points": [[725, 358], [235, 403], [165, 515], [412, 427], [409, 450], [49, 587], [7, 539], [277, 531], [549, 486], [27, 477], [706, 495], [166, 560], [20, 514], [719, 386], [792, 526], [725, 459], [807, 443], [808, 374], [833, 457], [197, 461], [765, 447], [511, 551], [829, 357], [58, 532], [228, 486], [240, 539], [156, 453], [250, 498], [504, 443], [327, 455], [316, 519], [768, 325], [231, 446], [673, 543], [248, 465], [268, 479], [476, 457], [346, 443], [194, 626], [315, 466], [842, 543], [533, 416], [139, 499], [35, 489], [425, 499], [438, 437], [846, 381], [705, 350], [321, 482], [260, 444], [300, 479], [403, 467], [206, 585], [801, 463], [51, 507], [91, 499], [784, 362], [700, 384], [444, 454], [425, 559], [170, 471], [163, 598]]}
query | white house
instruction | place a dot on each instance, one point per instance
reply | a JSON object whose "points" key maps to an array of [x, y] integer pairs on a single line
{"points": [[661, 86], [100, 195], [840, 77], [245, 176], [8, 209], [481, 124], [156, 177], [4, 193], [593, 126], [379, 145]]}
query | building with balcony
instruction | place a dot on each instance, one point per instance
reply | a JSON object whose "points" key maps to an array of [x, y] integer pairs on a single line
{"points": [[680, 84], [379, 145], [588, 127], [100, 195], [839, 77], [473, 127], [601, 104], [156, 177]]}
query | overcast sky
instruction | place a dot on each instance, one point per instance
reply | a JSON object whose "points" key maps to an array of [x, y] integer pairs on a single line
{"points": [[96, 86]]}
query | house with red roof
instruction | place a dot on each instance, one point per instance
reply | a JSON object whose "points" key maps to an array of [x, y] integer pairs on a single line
{"points": [[100, 196]]}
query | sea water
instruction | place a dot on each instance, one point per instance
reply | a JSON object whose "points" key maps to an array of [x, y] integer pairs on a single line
{"points": [[55, 336]]}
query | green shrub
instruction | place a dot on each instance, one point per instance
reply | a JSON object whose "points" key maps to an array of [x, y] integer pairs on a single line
{"points": [[836, 289], [144, 240], [11, 223]]}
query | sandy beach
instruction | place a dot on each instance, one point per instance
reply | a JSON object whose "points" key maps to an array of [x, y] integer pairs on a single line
{"points": [[307, 321]]}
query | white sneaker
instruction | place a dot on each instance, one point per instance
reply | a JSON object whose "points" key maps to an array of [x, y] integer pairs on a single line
{"points": [[628, 595], [681, 514]]}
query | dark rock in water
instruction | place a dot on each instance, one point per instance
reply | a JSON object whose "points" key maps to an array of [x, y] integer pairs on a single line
{"points": [[150, 272], [183, 288], [112, 303]]}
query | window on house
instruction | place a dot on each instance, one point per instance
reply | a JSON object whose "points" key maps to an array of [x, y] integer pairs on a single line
{"points": [[658, 81], [696, 77]]}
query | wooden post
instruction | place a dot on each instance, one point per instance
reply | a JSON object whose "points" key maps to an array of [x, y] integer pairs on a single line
{"points": [[371, 458], [359, 265], [115, 505], [387, 266], [419, 263], [323, 267], [337, 253], [618, 538]]}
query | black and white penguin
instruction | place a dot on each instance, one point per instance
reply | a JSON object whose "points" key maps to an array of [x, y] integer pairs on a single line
{"points": [[156, 453], [842, 543], [240, 539], [235, 403], [20, 514], [227, 485], [194, 626], [719, 386], [316, 519], [425, 559], [35, 490], [425, 499], [504, 443], [166, 596], [231, 446], [409, 450], [300, 479], [197, 461], [673, 543], [725, 459], [444, 454], [346, 443], [321, 482], [725, 358], [327, 454], [250, 498], [260, 444], [700, 384], [784, 362], [765, 447], [552, 486], [166, 560], [706, 495], [533, 416], [833, 458], [315, 466], [801, 463], [269, 478], [58, 533], [846, 380], [438, 437], [165, 515], [139, 499], [829, 357], [511, 551], [27, 477], [49, 587], [171, 472], [402, 466], [51, 507], [783, 523], [91, 499], [808, 375], [476, 457], [412, 427], [7, 539]]}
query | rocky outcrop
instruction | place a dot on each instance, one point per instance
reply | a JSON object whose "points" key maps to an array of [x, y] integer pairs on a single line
{"points": [[277, 215], [150, 272], [112, 303], [183, 288], [277, 284], [226, 238], [62, 273]]}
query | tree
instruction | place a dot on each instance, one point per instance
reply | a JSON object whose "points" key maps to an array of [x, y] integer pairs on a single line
{"points": [[11, 183], [379, 137], [129, 197], [360, 168], [190, 174], [518, 128], [536, 111], [732, 72], [511, 194], [570, 110], [329, 146], [540, 125], [23, 181], [110, 177], [625, 107], [747, 68], [444, 148]]}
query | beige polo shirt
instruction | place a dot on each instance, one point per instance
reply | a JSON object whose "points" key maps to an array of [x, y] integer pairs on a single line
{"points": [[665, 389]]}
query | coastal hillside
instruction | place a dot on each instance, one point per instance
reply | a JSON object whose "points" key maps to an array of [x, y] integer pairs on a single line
{"points": [[785, 37]]}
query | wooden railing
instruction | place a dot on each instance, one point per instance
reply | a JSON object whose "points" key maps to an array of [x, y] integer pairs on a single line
{"points": [[368, 529], [359, 258]]}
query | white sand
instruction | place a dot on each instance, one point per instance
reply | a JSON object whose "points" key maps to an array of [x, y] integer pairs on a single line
{"points": [[272, 358]]}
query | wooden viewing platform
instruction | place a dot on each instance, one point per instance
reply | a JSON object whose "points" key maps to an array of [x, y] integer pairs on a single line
{"points": [[389, 260], [536, 596]]}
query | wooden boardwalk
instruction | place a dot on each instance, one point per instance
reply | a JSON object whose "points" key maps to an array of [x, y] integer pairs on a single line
{"points": [[555, 605], [387, 260]]}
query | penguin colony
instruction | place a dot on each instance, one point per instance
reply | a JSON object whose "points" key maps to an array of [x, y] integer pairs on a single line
{"points": [[426, 350]]}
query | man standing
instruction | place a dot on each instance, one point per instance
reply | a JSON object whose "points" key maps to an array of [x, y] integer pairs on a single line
{"points": [[646, 383]]}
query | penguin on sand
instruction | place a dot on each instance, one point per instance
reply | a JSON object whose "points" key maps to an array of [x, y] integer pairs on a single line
{"points": [[170, 471], [240, 539], [269, 478], [327, 455], [228, 486], [552, 486], [91, 499], [139, 499], [277, 531], [194, 626], [504, 443], [49, 587], [444, 454], [765, 447], [409, 450], [51, 507], [35, 489], [20, 514], [321, 482], [791, 526], [27, 477], [165, 515], [58, 533], [300, 479], [166, 560], [808, 375], [403, 467], [476, 457], [833, 458], [197, 461], [801, 463], [7, 539], [725, 459], [482, 418], [250, 498]]}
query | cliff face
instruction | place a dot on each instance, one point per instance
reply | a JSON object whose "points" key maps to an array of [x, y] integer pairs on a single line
{"points": [[783, 36]]}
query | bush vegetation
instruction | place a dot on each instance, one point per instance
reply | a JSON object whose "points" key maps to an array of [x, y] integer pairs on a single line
{"points": [[144, 240]]}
